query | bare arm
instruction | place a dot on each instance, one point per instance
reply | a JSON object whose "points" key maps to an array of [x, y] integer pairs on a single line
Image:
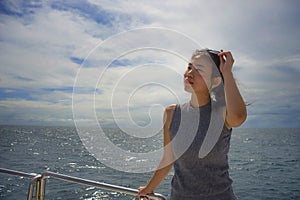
{"points": [[236, 112], [166, 162]]}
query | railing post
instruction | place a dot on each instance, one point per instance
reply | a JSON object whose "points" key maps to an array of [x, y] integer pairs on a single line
{"points": [[30, 191], [42, 188], [33, 183], [38, 190]]}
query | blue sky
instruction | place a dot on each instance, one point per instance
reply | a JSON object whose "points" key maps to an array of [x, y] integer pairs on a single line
{"points": [[54, 58]]}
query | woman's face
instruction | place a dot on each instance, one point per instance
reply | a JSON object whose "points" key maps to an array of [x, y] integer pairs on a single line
{"points": [[197, 77]]}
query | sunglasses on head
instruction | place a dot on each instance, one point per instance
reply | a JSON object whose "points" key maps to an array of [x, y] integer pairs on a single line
{"points": [[213, 52], [210, 51]]}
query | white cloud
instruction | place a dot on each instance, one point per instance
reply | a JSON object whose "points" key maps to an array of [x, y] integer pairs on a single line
{"points": [[44, 45], [15, 111], [36, 48]]}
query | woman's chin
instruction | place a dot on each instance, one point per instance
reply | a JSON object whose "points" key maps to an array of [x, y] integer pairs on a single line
{"points": [[188, 88]]}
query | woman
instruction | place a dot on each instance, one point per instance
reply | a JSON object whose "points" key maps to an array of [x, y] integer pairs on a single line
{"points": [[201, 164]]}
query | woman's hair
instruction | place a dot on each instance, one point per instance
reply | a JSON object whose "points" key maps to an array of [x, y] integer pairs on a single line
{"points": [[217, 94], [213, 57]]}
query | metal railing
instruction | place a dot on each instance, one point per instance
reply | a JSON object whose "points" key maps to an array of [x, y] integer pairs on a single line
{"points": [[38, 182], [35, 180]]}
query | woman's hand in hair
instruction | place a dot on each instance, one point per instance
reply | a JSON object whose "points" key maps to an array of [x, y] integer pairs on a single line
{"points": [[226, 62]]}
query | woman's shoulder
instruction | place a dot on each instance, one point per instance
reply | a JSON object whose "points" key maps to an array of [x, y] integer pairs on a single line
{"points": [[170, 108]]}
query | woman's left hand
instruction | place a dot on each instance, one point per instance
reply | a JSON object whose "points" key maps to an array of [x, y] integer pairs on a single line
{"points": [[226, 62]]}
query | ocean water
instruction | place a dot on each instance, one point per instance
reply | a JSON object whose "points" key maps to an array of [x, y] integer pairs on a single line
{"points": [[264, 163]]}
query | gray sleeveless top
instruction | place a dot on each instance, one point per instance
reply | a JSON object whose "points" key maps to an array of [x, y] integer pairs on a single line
{"points": [[195, 178]]}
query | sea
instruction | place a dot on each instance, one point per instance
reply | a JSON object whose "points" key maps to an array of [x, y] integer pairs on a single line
{"points": [[264, 163]]}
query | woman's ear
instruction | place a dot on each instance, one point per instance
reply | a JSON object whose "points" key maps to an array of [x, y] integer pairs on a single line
{"points": [[216, 82]]}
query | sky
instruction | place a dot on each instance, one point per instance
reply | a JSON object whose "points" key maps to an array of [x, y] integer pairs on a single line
{"points": [[121, 62]]}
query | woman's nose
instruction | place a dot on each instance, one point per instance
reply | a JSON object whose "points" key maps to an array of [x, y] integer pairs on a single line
{"points": [[188, 73]]}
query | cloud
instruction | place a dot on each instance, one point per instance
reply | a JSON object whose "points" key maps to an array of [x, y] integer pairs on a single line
{"points": [[19, 8], [34, 112], [273, 90], [45, 45]]}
